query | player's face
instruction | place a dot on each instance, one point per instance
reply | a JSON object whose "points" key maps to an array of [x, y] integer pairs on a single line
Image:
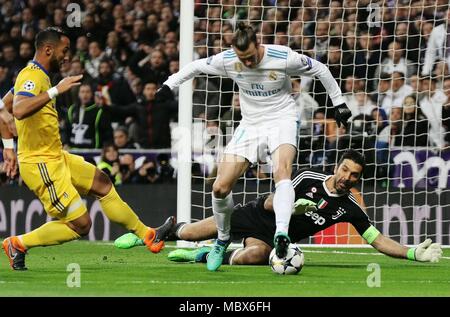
{"points": [[249, 57], [60, 54], [346, 176]]}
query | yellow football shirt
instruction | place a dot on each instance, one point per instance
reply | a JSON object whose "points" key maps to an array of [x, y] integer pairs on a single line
{"points": [[38, 134]]}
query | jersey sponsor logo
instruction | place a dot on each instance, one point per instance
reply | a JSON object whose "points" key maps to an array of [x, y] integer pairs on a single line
{"points": [[307, 61], [318, 219], [339, 213], [310, 195], [273, 75], [322, 204], [29, 85]]}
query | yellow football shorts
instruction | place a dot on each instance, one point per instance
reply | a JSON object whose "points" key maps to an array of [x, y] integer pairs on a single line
{"points": [[59, 184]]}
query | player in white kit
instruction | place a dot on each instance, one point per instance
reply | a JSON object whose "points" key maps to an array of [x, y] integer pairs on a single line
{"points": [[269, 118]]}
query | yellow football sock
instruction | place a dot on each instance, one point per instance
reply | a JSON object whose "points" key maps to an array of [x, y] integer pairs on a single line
{"points": [[51, 233], [119, 212]]}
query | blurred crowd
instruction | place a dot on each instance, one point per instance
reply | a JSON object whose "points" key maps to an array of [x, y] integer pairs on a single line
{"points": [[390, 58]]}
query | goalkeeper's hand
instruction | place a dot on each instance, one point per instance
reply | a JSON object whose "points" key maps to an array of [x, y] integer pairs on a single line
{"points": [[428, 251], [304, 205], [341, 114], [163, 93]]}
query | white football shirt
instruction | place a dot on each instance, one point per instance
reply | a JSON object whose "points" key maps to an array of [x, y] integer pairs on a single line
{"points": [[265, 90]]}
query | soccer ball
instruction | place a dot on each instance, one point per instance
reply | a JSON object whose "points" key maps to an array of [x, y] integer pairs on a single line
{"points": [[291, 264]]}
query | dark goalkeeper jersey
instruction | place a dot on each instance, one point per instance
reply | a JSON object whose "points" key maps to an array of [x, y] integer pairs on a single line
{"points": [[331, 208]]}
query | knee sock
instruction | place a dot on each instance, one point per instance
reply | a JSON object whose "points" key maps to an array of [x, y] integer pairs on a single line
{"points": [[51, 233], [222, 209], [119, 212], [283, 204]]}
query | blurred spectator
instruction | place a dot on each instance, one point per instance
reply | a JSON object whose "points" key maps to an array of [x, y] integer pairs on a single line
{"points": [[205, 100], [121, 139], [96, 55], [149, 65], [399, 90], [10, 59], [165, 171], [306, 106], [87, 125], [396, 62], [384, 84], [414, 125], [117, 87], [26, 52], [110, 163], [147, 173], [340, 67], [82, 51], [438, 46], [127, 169], [367, 59], [446, 109], [431, 105], [5, 80]]}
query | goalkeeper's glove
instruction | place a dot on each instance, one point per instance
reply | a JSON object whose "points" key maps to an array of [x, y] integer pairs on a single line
{"points": [[341, 114], [426, 252], [163, 93], [304, 205]]}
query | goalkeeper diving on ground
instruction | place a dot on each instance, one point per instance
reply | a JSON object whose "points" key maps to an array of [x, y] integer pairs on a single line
{"points": [[321, 201]]}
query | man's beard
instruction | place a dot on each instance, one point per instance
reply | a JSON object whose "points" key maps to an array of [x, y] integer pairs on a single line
{"points": [[54, 65]]}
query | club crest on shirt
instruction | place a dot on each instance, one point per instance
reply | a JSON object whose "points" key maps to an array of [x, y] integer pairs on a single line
{"points": [[238, 67], [339, 213], [273, 75], [29, 85]]}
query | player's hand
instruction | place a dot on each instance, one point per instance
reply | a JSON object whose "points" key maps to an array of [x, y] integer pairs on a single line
{"points": [[304, 205], [10, 163], [163, 93], [428, 251], [8, 119], [68, 82], [341, 114]]}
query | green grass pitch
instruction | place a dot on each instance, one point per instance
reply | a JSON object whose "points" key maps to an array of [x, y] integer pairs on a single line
{"points": [[107, 271]]}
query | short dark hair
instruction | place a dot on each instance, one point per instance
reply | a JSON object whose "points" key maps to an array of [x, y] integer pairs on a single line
{"points": [[354, 156], [244, 36], [49, 35]]}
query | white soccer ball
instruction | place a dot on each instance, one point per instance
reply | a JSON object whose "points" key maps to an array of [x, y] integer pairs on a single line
{"points": [[291, 264]]}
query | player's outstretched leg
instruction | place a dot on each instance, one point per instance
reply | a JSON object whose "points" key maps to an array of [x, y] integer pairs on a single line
{"points": [[51, 233], [163, 233], [195, 255], [120, 212], [281, 242]]}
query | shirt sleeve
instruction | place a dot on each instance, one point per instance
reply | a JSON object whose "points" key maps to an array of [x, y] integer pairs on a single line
{"points": [[302, 65], [28, 84], [212, 65], [358, 218]]}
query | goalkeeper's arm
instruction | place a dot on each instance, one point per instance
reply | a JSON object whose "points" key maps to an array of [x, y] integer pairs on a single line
{"points": [[424, 252]]}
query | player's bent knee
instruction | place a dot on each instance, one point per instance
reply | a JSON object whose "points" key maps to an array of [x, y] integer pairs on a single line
{"points": [[82, 225], [221, 190], [102, 184]]}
